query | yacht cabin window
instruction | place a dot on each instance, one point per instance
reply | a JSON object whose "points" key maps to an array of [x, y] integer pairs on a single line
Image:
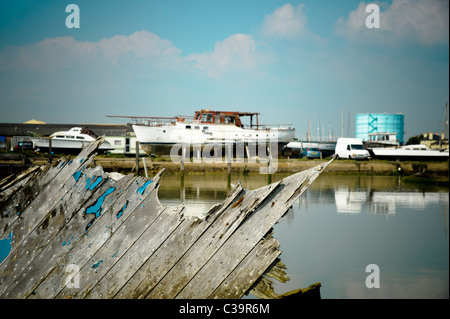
{"points": [[207, 117], [229, 120]]}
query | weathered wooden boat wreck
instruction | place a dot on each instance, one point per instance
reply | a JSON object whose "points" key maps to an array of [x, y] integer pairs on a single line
{"points": [[78, 232]]}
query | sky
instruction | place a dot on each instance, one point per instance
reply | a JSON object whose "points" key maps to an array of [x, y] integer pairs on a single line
{"points": [[295, 62]]}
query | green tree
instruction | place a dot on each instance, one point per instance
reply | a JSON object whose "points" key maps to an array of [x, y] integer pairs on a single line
{"points": [[414, 139]]}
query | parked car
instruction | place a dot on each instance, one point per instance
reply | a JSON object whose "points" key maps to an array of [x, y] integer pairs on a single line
{"points": [[313, 152]]}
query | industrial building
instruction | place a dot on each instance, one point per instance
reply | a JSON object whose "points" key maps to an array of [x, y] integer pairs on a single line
{"points": [[369, 123]]}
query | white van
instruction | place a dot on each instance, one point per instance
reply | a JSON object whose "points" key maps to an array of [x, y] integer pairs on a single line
{"points": [[351, 148]]}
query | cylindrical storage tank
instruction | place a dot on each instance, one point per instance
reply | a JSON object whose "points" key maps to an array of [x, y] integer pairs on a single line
{"points": [[380, 123]]}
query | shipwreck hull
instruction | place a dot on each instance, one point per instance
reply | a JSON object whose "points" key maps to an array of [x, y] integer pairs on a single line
{"points": [[78, 232]]}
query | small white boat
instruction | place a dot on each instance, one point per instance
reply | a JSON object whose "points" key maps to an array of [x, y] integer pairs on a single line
{"points": [[68, 142], [417, 152]]}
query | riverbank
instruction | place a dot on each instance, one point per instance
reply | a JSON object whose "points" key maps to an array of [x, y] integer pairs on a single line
{"points": [[126, 164], [282, 166]]}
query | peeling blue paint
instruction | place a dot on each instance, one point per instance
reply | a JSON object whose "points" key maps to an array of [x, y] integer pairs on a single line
{"points": [[94, 184], [143, 187], [115, 254], [97, 264], [97, 207], [76, 175], [5, 246]]}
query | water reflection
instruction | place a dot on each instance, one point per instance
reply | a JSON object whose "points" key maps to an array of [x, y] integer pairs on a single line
{"points": [[350, 194], [342, 224], [379, 202]]}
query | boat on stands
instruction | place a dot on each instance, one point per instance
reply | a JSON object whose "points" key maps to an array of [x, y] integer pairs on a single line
{"points": [[417, 152], [157, 135], [69, 142], [381, 139]]}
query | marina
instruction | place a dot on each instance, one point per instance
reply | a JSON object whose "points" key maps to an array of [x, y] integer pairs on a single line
{"points": [[244, 150]]}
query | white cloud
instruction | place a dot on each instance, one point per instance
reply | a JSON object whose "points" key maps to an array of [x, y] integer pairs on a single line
{"points": [[417, 21], [137, 52], [236, 52], [286, 22], [54, 53]]}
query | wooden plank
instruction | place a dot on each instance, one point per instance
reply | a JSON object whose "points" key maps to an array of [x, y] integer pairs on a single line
{"points": [[18, 178], [32, 255], [255, 227], [57, 182], [115, 247], [207, 245], [247, 271], [153, 236], [11, 206], [116, 210], [15, 197], [219, 265], [98, 233], [25, 222], [164, 258], [39, 212]]}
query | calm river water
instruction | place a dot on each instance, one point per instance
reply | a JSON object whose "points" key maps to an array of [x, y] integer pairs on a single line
{"points": [[341, 225]]}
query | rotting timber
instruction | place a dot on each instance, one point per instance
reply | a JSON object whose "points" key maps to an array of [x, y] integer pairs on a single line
{"points": [[78, 232]]}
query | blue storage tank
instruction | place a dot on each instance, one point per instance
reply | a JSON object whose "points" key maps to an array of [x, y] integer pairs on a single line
{"points": [[380, 123]]}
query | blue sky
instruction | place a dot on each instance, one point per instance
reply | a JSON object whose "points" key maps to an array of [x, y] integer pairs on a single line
{"points": [[294, 61]]}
